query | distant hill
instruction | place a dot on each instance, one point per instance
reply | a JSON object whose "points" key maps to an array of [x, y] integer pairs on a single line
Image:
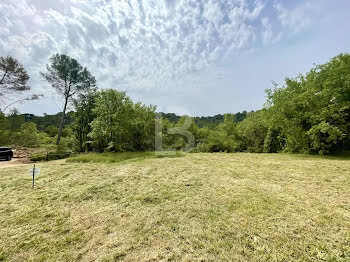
{"points": [[208, 121], [46, 120]]}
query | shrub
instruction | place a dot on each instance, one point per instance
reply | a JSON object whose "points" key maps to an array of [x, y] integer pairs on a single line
{"points": [[50, 156]]}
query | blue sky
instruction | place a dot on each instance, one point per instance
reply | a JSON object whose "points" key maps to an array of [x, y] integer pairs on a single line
{"points": [[196, 57]]}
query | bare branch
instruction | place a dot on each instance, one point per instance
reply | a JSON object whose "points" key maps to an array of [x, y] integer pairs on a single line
{"points": [[33, 97]]}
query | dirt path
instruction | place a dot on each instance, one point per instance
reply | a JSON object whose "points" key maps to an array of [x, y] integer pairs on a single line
{"points": [[14, 162]]}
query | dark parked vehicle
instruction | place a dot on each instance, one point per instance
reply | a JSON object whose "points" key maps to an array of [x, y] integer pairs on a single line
{"points": [[6, 153]]}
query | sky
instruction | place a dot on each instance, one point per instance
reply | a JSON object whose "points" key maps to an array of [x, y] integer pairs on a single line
{"points": [[194, 57]]}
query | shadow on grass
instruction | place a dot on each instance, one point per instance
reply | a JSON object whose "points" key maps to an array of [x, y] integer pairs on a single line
{"points": [[338, 156], [118, 157]]}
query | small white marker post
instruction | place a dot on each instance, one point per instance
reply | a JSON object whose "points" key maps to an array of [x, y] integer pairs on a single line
{"points": [[34, 172]]}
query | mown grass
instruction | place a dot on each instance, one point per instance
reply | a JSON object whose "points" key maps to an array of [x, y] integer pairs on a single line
{"points": [[120, 157], [201, 207]]}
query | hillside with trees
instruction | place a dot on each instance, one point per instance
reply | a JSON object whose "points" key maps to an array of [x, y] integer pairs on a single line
{"points": [[308, 114]]}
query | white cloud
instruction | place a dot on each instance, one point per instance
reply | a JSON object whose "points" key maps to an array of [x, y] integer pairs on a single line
{"points": [[267, 33], [140, 46], [297, 18]]}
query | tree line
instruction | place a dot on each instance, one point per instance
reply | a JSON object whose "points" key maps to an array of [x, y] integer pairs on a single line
{"points": [[47, 121], [308, 114]]}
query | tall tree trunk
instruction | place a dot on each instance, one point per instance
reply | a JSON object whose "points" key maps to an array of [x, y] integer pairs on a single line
{"points": [[3, 77], [81, 133], [61, 123]]}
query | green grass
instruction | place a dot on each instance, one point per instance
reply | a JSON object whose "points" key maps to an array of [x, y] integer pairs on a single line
{"points": [[201, 207], [119, 157]]}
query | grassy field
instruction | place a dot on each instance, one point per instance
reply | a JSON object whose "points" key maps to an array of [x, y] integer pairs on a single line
{"points": [[200, 207]]}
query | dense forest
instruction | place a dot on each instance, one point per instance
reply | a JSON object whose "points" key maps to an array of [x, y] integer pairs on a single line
{"points": [[51, 121], [308, 114]]}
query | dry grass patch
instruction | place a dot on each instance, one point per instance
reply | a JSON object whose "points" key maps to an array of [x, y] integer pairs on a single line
{"points": [[202, 207]]}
